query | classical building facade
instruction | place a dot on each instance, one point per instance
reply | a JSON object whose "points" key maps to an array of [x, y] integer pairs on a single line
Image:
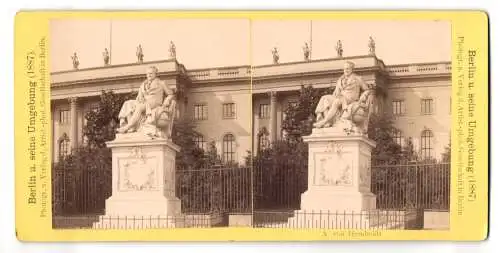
{"points": [[241, 108]]}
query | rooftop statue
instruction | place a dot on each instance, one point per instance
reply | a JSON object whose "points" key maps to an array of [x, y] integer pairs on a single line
{"points": [[307, 52], [152, 112], [76, 61], [276, 56], [105, 56], [371, 46], [349, 107], [340, 50], [172, 50], [139, 54]]}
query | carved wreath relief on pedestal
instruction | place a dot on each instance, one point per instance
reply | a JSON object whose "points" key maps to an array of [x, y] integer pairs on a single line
{"points": [[332, 169], [138, 172]]}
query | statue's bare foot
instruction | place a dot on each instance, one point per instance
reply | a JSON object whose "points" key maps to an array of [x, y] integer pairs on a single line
{"points": [[121, 130], [318, 124], [327, 124]]}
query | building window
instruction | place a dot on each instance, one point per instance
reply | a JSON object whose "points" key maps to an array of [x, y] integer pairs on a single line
{"points": [[291, 105], [264, 111], [94, 107], [200, 112], [229, 148], [426, 106], [64, 146], [64, 117], [398, 107], [200, 141], [229, 111], [397, 137], [426, 143]]}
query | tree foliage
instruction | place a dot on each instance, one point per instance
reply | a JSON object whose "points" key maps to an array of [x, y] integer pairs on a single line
{"points": [[300, 116], [446, 155], [381, 131], [102, 122]]}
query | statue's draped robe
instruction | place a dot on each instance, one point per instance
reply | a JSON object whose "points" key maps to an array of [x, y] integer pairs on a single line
{"points": [[348, 90], [152, 96]]}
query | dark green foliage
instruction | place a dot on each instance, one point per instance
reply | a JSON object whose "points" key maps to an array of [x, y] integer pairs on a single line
{"points": [[102, 122], [300, 116], [280, 175], [191, 156], [381, 130], [446, 156]]}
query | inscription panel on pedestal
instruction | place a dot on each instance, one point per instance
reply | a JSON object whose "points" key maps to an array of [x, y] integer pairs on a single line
{"points": [[137, 172], [333, 166]]}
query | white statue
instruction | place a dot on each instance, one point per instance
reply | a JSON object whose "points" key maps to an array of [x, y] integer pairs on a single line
{"points": [[152, 112], [350, 105]]}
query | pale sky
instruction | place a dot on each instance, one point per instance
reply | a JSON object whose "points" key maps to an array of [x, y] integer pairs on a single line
{"points": [[204, 43]]}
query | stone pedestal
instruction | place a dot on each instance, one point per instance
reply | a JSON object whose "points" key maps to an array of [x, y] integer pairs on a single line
{"points": [[339, 172], [143, 181]]}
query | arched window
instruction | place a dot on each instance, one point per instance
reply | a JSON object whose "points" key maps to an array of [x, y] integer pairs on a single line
{"points": [[64, 145], [397, 137], [229, 148], [200, 141], [426, 143]]}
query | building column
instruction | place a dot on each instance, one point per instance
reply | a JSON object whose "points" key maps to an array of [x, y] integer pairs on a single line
{"points": [[73, 133], [272, 121]]}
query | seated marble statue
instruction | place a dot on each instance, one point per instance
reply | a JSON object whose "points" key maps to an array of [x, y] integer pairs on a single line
{"points": [[152, 112], [350, 102]]}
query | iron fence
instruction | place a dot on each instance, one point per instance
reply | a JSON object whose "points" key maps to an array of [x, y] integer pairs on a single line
{"points": [[84, 192], [267, 191], [373, 219], [412, 185], [215, 190], [139, 222], [279, 187], [76, 192]]}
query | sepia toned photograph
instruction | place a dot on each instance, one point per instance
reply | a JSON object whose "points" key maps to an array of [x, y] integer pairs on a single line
{"points": [[205, 123]]}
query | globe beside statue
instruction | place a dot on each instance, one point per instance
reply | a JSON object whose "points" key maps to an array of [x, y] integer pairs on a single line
{"points": [[163, 120], [359, 114]]}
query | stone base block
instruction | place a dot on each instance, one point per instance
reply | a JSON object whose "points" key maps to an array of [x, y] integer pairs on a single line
{"points": [[326, 200], [240, 220], [146, 207]]}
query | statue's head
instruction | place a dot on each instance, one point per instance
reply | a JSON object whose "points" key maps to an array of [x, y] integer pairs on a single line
{"points": [[348, 67], [151, 73]]}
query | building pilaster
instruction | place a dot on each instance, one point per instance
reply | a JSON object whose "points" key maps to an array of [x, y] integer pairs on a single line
{"points": [[272, 121], [73, 136]]}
